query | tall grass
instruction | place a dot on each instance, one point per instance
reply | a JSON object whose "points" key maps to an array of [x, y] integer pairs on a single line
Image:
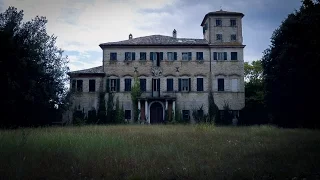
{"points": [[159, 152]]}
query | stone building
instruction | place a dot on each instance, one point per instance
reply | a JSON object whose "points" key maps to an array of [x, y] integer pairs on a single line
{"points": [[173, 72]]}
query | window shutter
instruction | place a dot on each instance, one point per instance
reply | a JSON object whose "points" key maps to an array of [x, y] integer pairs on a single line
{"points": [[129, 85], [118, 85], [189, 55], [151, 56], [133, 56], [189, 84], [161, 55], [214, 55], [225, 55], [152, 81], [158, 86], [175, 56], [126, 56], [107, 85], [179, 83]]}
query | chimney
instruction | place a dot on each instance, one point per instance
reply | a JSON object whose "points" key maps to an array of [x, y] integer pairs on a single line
{"points": [[130, 36], [174, 33]]}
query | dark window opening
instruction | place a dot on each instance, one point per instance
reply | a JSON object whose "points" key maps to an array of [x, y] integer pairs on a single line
{"points": [[199, 84], [233, 37], [79, 85], [92, 85], [233, 22], [234, 55], [220, 84], [219, 37], [73, 85], [218, 22], [169, 84], [143, 56], [127, 114], [143, 83], [199, 55], [113, 56], [185, 115], [127, 84]]}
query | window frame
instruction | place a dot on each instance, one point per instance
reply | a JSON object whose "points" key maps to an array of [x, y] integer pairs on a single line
{"points": [[127, 85], [127, 113], [185, 85], [92, 86], [220, 22], [173, 55], [200, 88], [220, 88], [132, 56], [143, 88], [170, 88], [185, 112], [233, 39], [186, 56], [235, 22], [145, 56], [73, 85], [112, 58], [218, 37], [199, 54], [232, 54], [79, 89]]}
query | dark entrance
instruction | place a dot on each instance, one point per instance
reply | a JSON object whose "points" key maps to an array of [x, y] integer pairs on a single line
{"points": [[156, 113]]}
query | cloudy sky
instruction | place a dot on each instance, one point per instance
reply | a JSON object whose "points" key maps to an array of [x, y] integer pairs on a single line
{"points": [[81, 25]]}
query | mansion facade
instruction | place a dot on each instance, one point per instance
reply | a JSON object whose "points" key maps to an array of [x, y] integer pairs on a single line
{"points": [[174, 73]]}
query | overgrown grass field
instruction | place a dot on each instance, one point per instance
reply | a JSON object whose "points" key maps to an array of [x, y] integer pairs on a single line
{"points": [[159, 152]]}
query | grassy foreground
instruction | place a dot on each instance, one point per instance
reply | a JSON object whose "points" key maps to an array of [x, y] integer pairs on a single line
{"points": [[159, 152]]}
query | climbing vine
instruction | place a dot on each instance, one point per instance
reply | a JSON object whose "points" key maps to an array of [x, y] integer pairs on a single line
{"points": [[135, 94]]}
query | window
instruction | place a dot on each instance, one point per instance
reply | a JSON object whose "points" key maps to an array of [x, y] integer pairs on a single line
{"points": [[185, 84], [234, 55], [220, 56], [143, 85], [200, 113], [199, 55], [79, 85], [113, 56], [143, 56], [220, 84], [185, 115], [218, 22], [219, 37], [73, 85], [186, 56], [156, 55], [113, 85], [169, 84], [234, 85], [127, 84], [92, 85], [199, 84], [127, 114], [156, 84], [130, 56], [233, 22], [233, 37], [172, 56]]}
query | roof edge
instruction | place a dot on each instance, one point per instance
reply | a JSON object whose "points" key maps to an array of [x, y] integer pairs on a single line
{"points": [[221, 14]]}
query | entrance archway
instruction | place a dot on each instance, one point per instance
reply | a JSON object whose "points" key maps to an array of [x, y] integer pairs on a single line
{"points": [[156, 113]]}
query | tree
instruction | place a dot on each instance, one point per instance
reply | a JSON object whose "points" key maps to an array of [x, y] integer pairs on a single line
{"points": [[213, 110], [32, 70], [102, 110], [253, 72], [290, 69]]}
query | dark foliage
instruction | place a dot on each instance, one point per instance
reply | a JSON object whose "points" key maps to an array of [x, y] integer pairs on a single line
{"points": [[102, 110], [32, 72], [291, 69]]}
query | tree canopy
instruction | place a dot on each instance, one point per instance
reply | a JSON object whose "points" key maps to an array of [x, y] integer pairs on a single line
{"points": [[32, 71], [290, 69]]}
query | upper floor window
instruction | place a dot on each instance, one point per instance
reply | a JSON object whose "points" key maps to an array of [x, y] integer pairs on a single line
{"points": [[127, 84], [218, 22], [199, 84], [113, 56], [234, 55], [233, 37], [92, 85], [220, 55], [220, 84], [113, 85], [79, 85], [233, 22], [219, 37], [172, 56], [73, 85], [143, 85], [186, 56], [130, 56], [170, 84], [199, 55], [185, 84], [143, 56], [234, 85]]}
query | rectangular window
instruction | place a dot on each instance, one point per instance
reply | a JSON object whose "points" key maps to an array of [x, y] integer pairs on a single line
{"points": [[113, 56], [169, 84], [171, 56], [219, 37], [185, 115], [92, 85], [130, 56], [127, 114], [113, 85], [234, 85], [220, 84], [186, 56], [185, 84], [199, 84], [79, 85], [220, 56], [73, 85], [199, 55], [234, 55], [143, 56], [218, 22], [233, 37], [143, 85], [233, 22], [127, 84], [200, 113]]}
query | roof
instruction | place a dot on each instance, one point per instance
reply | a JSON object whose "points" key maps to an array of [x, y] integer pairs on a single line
{"points": [[94, 70], [158, 40], [221, 13]]}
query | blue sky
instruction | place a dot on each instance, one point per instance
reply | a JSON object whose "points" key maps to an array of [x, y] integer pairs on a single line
{"points": [[81, 25]]}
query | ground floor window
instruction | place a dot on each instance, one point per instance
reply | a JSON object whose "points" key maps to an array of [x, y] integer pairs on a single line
{"points": [[127, 114], [185, 115]]}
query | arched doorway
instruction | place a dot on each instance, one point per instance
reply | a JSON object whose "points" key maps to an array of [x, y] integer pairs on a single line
{"points": [[156, 113]]}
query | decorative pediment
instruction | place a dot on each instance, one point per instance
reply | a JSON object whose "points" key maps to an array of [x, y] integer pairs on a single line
{"points": [[156, 71]]}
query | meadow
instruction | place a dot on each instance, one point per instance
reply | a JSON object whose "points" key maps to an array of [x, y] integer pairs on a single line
{"points": [[159, 152]]}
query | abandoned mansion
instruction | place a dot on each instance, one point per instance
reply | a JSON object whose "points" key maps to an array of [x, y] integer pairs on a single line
{"points": [[173, 72]]}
